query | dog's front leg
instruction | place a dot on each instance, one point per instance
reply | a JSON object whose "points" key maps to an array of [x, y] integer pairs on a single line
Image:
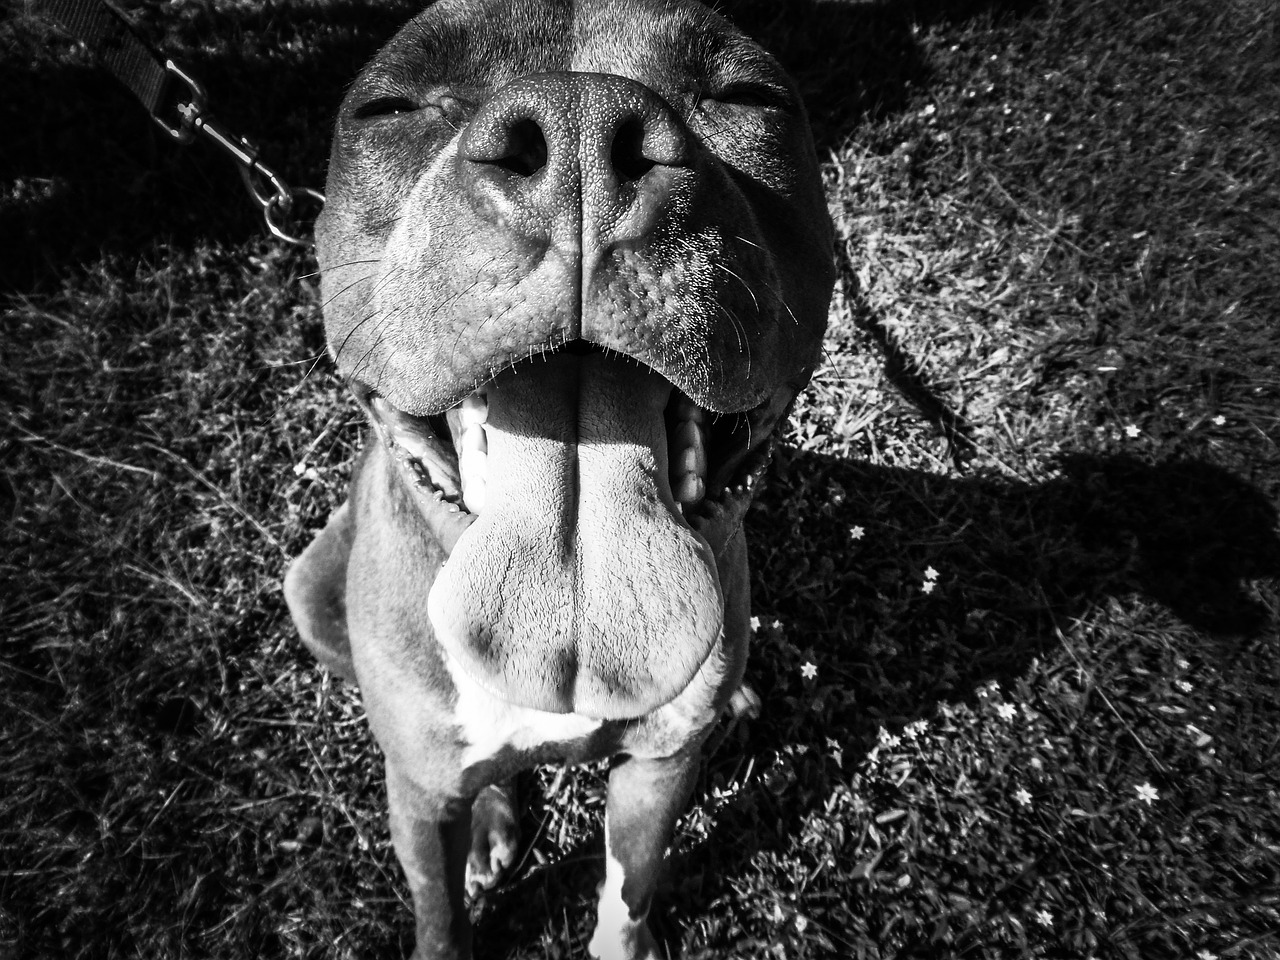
{"points": [[431, 835], [646, 797]]}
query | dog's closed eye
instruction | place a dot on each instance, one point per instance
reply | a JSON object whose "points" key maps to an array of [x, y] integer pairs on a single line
{"points": [[747, 95], [385, 107]]}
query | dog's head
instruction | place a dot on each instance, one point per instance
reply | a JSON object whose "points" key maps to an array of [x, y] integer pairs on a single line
{"points": [[576, 265]]}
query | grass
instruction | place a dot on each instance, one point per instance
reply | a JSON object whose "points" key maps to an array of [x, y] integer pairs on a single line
{"points": [[1050, 378]]}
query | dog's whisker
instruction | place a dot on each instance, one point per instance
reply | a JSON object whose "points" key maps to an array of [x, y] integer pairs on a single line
{"points": [[391, 354], [342, 266], [745, 286], [354, 283], [438, 308], [385, 279], [319, 357], [337, 356], [380, 329]]}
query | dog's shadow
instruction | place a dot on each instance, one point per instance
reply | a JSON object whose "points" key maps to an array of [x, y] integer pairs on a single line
{"points": [[840, 551]]}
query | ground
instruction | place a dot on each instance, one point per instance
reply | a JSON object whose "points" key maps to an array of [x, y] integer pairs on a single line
{"points": [[1015, 575]]}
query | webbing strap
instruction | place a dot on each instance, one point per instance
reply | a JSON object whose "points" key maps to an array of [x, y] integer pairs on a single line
{"points": [[179, 107], [109, 34]]}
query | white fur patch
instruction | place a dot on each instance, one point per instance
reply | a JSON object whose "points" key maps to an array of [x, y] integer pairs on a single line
{"points": [[618, 935], [488, 723], [612, 915]]}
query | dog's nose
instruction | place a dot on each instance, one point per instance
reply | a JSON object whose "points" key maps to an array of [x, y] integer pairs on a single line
{"points": [[583, 161]]}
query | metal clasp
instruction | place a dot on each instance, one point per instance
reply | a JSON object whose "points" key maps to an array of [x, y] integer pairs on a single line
{"points": [[184, 132], [274, 197]]}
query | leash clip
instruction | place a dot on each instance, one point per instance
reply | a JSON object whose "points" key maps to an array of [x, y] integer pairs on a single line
{"points": [[185, 130], [274, 197]]}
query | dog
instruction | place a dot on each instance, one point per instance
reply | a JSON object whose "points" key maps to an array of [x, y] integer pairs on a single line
{"points": [[576, 263]]}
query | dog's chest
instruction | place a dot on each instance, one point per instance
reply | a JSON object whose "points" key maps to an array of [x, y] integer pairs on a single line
{"points": [[490, 728], [497, 739]]}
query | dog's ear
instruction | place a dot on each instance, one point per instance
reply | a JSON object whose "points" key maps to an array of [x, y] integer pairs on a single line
{"points": [[315, 588]]}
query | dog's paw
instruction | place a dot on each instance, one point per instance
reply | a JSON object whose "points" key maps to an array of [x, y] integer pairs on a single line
{"points": [[494, 837]]}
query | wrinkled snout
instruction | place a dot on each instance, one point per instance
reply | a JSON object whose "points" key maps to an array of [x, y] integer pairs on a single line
{"points": [[582, 161], [480, 222]]}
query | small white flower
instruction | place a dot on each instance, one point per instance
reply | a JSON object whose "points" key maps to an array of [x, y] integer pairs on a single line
{"points": [[1007, 711], [1182, 664], [1044, 918], [1218, 421], [1183, 685], [1037, 763], [808, 671], [928, 585], [929, 110], [755, 624], [1132, 431], [913, 730], [887, 739], [931, 573], [1023, 797], [856, 533], [1146, 793], [802, 924]]}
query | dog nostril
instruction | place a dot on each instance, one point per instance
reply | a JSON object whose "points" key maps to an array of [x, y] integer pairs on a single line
{"points": [[525, 150], [628, 154]]}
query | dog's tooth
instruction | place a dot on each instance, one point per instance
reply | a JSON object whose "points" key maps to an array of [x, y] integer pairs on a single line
{"points": [[476, 496], [689, 454], [474, 411], [690, 488], [687, 410], [473, 466], [473, 438]]}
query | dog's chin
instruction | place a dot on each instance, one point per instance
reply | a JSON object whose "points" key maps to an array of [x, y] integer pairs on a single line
{"points": [[582, 501]]}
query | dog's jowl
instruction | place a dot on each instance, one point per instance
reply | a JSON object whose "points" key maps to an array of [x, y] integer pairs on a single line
{"points": [[576, 264]]}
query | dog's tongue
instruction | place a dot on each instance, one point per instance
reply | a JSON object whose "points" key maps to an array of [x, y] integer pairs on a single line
{"points": [[579, 588]]}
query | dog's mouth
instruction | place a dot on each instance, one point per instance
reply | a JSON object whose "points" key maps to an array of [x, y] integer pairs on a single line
{"points": [[715, 461], [582, 499]]}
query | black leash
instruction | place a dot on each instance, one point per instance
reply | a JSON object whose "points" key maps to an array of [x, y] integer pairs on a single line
{"points": [[176, 101]]}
